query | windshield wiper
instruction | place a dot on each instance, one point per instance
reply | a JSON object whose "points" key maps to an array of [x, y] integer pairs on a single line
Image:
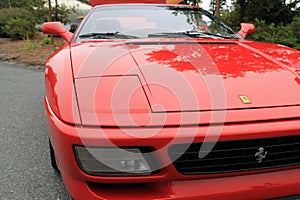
{"points": [[195, 34], [167, 34], [208, 34], [108, 35]]}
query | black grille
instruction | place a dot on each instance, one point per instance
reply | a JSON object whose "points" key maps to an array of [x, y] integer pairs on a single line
{"points": [[236, 155]]}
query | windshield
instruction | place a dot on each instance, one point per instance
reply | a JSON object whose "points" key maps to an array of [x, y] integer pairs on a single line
{"points": [[146, 21]]}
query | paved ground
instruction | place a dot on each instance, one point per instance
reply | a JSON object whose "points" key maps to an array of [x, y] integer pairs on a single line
{"points": [[25, 171]]}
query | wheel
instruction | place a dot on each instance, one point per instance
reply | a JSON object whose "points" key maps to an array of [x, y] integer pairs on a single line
{"points": [[52, 157], [70, 197]]}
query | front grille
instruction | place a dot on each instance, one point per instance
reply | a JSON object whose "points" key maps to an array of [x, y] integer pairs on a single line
{"points": [[236, 155]]}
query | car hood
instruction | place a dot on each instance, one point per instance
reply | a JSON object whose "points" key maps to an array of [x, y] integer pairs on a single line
{"points": [[170, 76]]}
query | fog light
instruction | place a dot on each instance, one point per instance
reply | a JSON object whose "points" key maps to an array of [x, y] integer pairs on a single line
{"points": [[112, 161]]}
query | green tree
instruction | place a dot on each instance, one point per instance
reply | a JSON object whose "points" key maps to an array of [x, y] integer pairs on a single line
{"points": [[19, 28], [191, 2], [4, 17], [240, 7], [216, 7], [21, 3], [275, 21], [62, 13], [85, 1], [271, 11], [17, 23], [36, 7], [295, 27], [275, 34]]}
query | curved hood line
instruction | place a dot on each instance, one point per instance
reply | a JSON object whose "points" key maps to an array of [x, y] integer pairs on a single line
{"points": [[268, 57], [184, 77]]}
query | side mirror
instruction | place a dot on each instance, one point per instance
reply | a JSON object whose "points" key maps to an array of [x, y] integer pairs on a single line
{"points": [[57, 28], [246, 29]]}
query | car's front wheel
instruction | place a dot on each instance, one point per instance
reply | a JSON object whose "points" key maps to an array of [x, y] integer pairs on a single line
{"points": [[52, 157]]}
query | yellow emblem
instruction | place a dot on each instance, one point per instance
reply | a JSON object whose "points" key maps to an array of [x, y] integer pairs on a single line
{"points": [[245, 99]]}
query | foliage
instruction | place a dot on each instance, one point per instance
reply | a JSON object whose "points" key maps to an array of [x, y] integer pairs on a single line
{"points": [[5, 15], [40, 14], [17, 23], [36, 8], [213, 6], [191, 2], [85, 1], [19, 28], [295, 26], [22, 3], [29, 45], [271, 11], [231, 18], [46, 41], [275, 20], [18, 20], [61, 13], [273, 33]]}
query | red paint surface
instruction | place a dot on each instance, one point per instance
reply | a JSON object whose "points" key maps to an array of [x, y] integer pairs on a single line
{"points": [[158, 92]]}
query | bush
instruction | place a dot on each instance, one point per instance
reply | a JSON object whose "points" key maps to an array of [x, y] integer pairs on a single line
{"points": [[29, 45], [278, 34], [295, 26], [18, 29], [232, 19], [288, 34], [4, 17], [46, 41], [16, 23]]}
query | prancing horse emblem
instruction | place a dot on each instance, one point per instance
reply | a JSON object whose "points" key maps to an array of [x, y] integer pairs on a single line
{"points": [[261, 154]]}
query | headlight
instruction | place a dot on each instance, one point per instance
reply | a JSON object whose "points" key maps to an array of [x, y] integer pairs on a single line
{"points": [[112, 161]]}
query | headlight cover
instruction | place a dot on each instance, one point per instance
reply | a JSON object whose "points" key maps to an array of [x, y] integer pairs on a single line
{"points": [[112, 161]]}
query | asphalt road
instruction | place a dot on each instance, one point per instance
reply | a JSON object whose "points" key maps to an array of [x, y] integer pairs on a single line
{"points": [[25, 171]]}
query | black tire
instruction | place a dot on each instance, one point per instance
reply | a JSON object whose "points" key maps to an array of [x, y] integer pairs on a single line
{"points": [[69, 197], [52, 157]]}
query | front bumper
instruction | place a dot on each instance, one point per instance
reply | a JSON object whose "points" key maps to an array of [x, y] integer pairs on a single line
{"points": [[167, 183], [260, 186]]}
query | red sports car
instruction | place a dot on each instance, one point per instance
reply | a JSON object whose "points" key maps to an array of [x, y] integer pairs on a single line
{"points": [[165, 101]]}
